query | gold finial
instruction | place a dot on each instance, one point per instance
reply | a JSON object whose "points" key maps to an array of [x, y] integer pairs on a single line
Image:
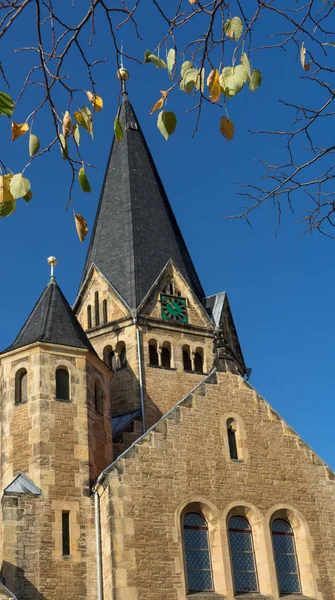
{"points": [[123, 74], [52, 261]]}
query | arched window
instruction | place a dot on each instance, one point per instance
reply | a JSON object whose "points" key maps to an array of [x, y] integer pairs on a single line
{"points": [[109, 357], [187, 359], [198, 560], [198, 361], [96, 309], [104, 312], [62, 384], [166, 355], [98, 397], [21, 392], [122, 355], [231, 432], [153, 354], [285, 557], [242, 556], [89, 316]]}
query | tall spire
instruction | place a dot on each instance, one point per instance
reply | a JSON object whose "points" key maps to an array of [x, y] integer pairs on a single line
{"points": [[135, 232]]}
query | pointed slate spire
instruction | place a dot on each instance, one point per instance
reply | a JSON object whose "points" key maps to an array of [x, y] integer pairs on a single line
{"points": [[135, 231], [53, 321]]}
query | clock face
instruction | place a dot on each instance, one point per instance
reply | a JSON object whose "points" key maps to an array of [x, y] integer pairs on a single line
{"points": [[174, 309]]}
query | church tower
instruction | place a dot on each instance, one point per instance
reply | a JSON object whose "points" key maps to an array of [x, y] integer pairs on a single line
{"points": [[140, 300]]}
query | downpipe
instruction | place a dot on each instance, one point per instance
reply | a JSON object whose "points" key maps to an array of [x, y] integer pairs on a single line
{"points": [[98, 545]]}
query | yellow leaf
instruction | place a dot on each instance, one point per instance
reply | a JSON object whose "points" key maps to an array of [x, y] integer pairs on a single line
{"points": [[193, 1], [158, 105], [19, 129], [81, 227], [227, 128], [164, 94], [305, 66], [5, 193], [96, 101], [214, 85], [67, 123]]}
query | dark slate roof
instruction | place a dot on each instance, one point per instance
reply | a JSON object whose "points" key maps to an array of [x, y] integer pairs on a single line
{"points": [[135, 231], [52, 320]]}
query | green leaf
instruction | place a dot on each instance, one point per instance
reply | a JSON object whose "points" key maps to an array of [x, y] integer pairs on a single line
{"points": [[34, 144], [83, 181], [166, 123], [7, 208], [19, 186], [185, 67], [118, 131], [171, 60], [151, 58], [84, 119], [28, 196], [63, 146], [6, 104], [255, 80], [232, 80], [189, 80], [245, 62], [200, 80], [233, 28], [76, 133]]}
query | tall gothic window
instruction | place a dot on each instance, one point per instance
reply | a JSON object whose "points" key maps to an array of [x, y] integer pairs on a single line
{"points": [[153, 354], [96, 309], [242, 556], [285, 557], [62, 384], [21, 394], [166, 356], [109, 357], [197, 554], [89, 316], [231, 432], [187, 359], [104, 312]]}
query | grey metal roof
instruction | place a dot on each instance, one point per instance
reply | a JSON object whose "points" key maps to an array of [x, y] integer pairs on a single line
{"points": [[53, 321], [21, 484], [214, 305], [135, 231]]}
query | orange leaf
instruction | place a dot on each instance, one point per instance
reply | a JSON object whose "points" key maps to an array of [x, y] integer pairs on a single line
{"points": [[81, 227], [158, 105], [214, 85], [95, 100], [227, 128], [19, 129], [67, 122]]}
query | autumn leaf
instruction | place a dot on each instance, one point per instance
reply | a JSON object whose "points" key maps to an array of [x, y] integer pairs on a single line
{"points": [[81, 227], [96, 101], [63, 146], [19, 129], [214, 85], [305, 66], [255, 80], [233, 28], [66, 125], [84, 119], [19, 186], [118, 131], [83, 181], [193, 1], [76, 133], [227, 128], [34, 144], [157, 106], [171, 60], [6, 104], [5, 193], [246, 63], [166, 123], [151, 58]]}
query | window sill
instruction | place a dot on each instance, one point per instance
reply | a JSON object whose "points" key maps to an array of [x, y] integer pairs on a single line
{"points": [[205, 596], [20, 403], [63, 400]]}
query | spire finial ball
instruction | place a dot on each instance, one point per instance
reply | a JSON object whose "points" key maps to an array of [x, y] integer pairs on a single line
{"points": [[52, 261], [123, 74]]}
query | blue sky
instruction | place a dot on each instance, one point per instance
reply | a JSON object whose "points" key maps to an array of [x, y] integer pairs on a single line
{"points": [[281, 289]]}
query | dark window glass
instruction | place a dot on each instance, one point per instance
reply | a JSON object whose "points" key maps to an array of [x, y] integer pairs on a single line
{"points": [[98, 398], [62, 385], [198, 562], [242, 556], [153, 355], [187, 361], [66, 532], [21, 393], [198, 363], [166, 358], [285, 557], [232, 442], [89, 317], [96, 309], [104, 311]]}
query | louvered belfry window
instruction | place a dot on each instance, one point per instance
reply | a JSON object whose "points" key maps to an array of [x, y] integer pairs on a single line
{"points": [[197, 554], [166, 358], [285, 557], [198, 362], [187, 361], [242, 556], [153, 355]]}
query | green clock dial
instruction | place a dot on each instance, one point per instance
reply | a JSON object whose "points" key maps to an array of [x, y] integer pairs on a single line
{"points": [[174, 309]]}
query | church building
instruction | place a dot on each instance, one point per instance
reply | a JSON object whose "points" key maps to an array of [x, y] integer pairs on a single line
{"points": [[137, 461]]}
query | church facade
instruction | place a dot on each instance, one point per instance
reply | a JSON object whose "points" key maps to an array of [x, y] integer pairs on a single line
{"points": [[137, 462]]}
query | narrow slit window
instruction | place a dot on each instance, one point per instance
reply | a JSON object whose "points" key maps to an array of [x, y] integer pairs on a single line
{"points": [[285, 558], [104, 311], [153, 355], [166, 357], [66, 532], [231, 432], [197, 554], [89, 317], [187, 360], [96, 309], [242, 556], [21, 394], [62, 384], [122, 355], [98, 398], [198, 362]]}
